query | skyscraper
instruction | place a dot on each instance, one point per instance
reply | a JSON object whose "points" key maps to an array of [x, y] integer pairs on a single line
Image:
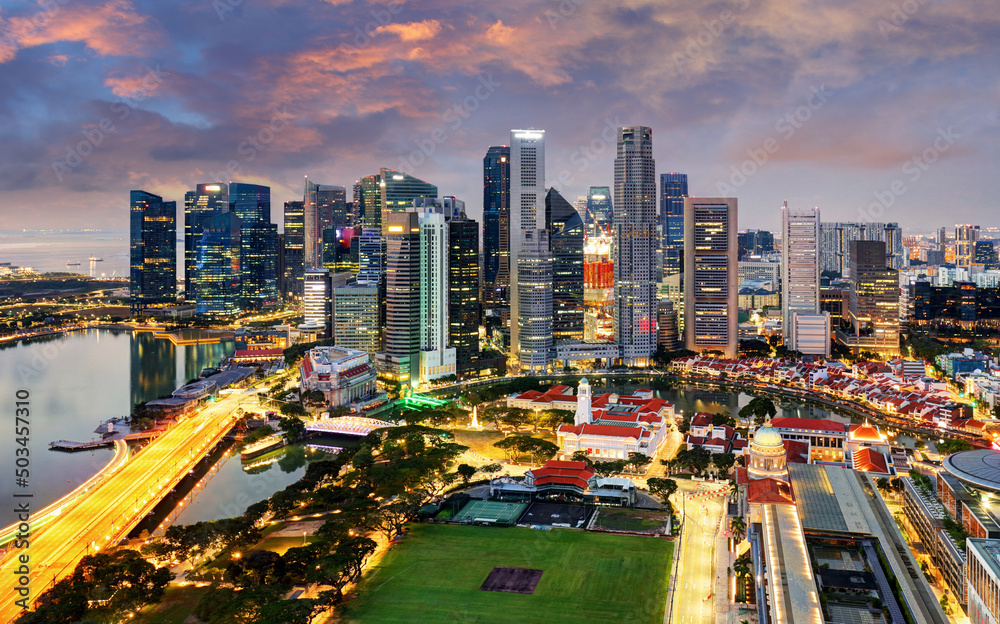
{"points": [[534, 285], [464, 311], [599, 207], [965, 244], [398, 190], [205, 201], [527, 203], [219, 275], [874, 308], [673, 190], [152, 251], [317, 301], [401, 359], [800, 281], [710, 275], [357, 317], [294, 249], [496, 226], [324, 206], [635, 245], [565, 229], [258, 245]]}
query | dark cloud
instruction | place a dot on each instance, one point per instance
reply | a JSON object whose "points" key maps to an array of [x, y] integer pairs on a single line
{"points": [[191, 89]]}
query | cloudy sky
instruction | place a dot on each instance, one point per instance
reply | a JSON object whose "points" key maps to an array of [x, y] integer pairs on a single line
{"points": [[869, 109]]}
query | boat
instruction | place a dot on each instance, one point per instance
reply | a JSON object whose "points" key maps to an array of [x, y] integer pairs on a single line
{"points": [[72, 264], [93, 259]]}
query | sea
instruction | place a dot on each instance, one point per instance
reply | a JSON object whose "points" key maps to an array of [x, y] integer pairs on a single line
{"points": [[49, 251]]}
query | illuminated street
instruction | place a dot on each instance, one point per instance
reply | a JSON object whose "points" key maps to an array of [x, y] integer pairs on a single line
{"points": [[106, 514], [694, 600]]}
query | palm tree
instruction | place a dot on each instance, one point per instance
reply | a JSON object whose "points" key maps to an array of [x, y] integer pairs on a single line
{"points": [[741, 567], [738, 527]]}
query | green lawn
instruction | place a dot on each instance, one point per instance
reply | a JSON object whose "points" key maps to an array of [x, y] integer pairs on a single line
{"points": [[434, 576], [632, 520], [177, 604]]}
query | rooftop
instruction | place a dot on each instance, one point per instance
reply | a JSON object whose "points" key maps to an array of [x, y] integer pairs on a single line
{"points": [[980, 468]]}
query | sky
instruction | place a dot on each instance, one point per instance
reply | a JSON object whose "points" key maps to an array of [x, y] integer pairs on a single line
{"points": [[871, 110]]}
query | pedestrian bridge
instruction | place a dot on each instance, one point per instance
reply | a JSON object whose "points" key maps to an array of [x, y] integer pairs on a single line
{"points": [[348, 425]]}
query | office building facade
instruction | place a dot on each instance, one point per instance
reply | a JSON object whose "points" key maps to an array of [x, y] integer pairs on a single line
{"points": [[710, 274], [401, 359], [294, 250], [357, 317], [673, 190], [566, 233], [496, 226], [258, 245], [534, 282], [205, 201], [800, 277], [874, 307], [966, 237], [635, 245], [324, 206], [219, 275], [836, 238], [152, 251], [600, 209], [527, 206]]}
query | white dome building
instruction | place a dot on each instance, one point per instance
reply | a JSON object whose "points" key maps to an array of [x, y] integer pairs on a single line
{"points": [[766, 455]]}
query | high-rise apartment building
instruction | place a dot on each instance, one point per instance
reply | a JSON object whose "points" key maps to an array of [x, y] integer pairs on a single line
{"points": [[673, 190], [258, 245], [635, 243], [401, 359], [534, 284], [152, 251], [965, 244], [710, 274], [800, 282], [496, 226], [324, 207], [527, 206], [566, 233], [437, 357], [600, 210], [219, 276], [205, 201], [835, 244], [294, 249]]}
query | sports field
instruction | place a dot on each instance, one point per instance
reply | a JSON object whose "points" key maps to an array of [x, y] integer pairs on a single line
{"points": [[435, 575], [490, 512]]}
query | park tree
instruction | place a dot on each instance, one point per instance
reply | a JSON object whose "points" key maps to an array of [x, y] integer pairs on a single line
{"points": [[758, 409], [466, 472], [293, 427], [515, 446], [723, 418], [516, 417], [696, 460], [724, 462], [953, 446], [581, 456], [637, 461], [394, 515], [491, 468], [661, 487], [292, 409]]}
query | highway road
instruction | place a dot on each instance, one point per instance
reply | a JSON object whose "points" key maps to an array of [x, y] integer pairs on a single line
{"points": [[106, 514], [694, 593]]}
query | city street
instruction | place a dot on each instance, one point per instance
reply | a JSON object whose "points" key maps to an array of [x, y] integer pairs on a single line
{"points": [[694, 586]]}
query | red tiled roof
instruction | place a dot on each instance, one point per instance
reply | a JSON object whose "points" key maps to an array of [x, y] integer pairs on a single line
{"points": [[770, 492], [741, 476], [563, 472], [701, 420], [870, 461], [816, 424], [609, 431], [796, 451], [865, 433]]}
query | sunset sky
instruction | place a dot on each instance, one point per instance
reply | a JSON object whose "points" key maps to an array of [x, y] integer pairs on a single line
{"points": [[842, 103]]}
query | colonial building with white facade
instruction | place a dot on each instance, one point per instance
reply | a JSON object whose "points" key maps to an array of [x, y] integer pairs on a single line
{"points": [[608, 426], [345, 376]]}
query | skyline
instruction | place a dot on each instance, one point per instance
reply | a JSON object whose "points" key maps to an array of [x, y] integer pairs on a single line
{"points": [[842, 106]]}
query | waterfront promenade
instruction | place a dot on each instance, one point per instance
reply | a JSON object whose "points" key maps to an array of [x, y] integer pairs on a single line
{"points": [[106, 514]]}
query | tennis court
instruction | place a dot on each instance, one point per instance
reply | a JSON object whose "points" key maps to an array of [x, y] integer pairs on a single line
{"points": [[490, 512]]}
